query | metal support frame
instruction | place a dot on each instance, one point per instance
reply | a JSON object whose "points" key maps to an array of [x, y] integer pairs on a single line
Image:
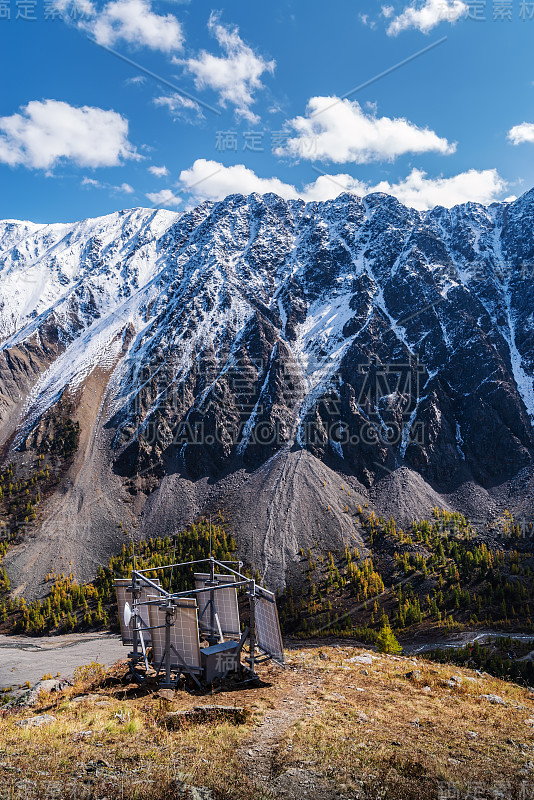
{"points": [[135, 591], [184, 667], [252, 626], [140, 579], [212, 639], [169, 617]]}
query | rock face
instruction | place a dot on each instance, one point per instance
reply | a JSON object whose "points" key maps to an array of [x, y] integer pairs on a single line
{"points": [[36, 722], [257, 354], [31, 696]]}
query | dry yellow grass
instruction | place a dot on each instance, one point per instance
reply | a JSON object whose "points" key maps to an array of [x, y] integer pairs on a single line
{"points": [[325, 727]]}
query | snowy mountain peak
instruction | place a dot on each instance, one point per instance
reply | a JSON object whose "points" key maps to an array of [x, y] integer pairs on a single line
{"points": [[368, 335]]}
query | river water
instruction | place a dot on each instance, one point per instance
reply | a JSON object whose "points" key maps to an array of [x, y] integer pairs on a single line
{"points": [[462, 639]]}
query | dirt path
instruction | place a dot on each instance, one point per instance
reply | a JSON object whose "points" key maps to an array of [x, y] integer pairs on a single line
{"points": [[267, 736], [261, 753]]}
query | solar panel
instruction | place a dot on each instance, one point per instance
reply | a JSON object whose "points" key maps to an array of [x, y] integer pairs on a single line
{"points": [[142, 610], [184, 633], [268, 635], [123, 596], [225, 601]]}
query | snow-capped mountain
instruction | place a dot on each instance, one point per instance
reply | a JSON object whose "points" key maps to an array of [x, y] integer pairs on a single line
{"points": [[257, 355]]}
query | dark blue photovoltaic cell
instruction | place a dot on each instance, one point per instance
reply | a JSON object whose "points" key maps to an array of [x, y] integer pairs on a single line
{"points": [[268, 635], [184, 633], [225, 601]]}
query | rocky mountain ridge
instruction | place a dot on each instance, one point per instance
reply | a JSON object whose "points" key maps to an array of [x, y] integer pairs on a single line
{"points": [[256, 355]]}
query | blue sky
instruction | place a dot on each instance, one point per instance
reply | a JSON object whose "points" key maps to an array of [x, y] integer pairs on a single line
{"points": [[260, 97]]}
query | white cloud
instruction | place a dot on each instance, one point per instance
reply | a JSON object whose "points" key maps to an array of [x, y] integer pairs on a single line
{"points": [[521, 133], [159, 172], [418, 191], [180, 107], [365, 20], [236, 75], [327, 187], [210, 180], [124, 188], [164, 198], [50, 131], [340, 131], [424, 16], [137, 80], [134, 22]]}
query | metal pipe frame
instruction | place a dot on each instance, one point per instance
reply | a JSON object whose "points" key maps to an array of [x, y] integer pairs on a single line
{"points": [[252, 625], [139, 576], [190, 592], [244, 581], [166, 598], [188, 564]]}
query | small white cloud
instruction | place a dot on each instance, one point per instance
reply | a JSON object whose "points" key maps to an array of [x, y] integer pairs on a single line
{"points": [[328, 187], [180, 107], [50, 131], [134, 22], [236, 75], [210, 180], [367, 21], [424, 16], [340, 131], [137, 80], [164, 198], [510, 198], [91, 182], [124, 188], [521, 133], [159, 172]]}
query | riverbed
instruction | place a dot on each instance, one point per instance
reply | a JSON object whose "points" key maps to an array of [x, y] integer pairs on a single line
{"points": [[462, 639], [29, 658]]}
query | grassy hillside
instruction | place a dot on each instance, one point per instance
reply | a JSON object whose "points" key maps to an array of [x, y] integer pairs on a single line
{"points": [[439, 572], [339, 722], [437, 577]]}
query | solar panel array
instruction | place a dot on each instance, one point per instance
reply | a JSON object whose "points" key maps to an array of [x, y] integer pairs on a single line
{"points": [[268, 635], [123, 596], [188, 618], [225, 601], [184, 633]]}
